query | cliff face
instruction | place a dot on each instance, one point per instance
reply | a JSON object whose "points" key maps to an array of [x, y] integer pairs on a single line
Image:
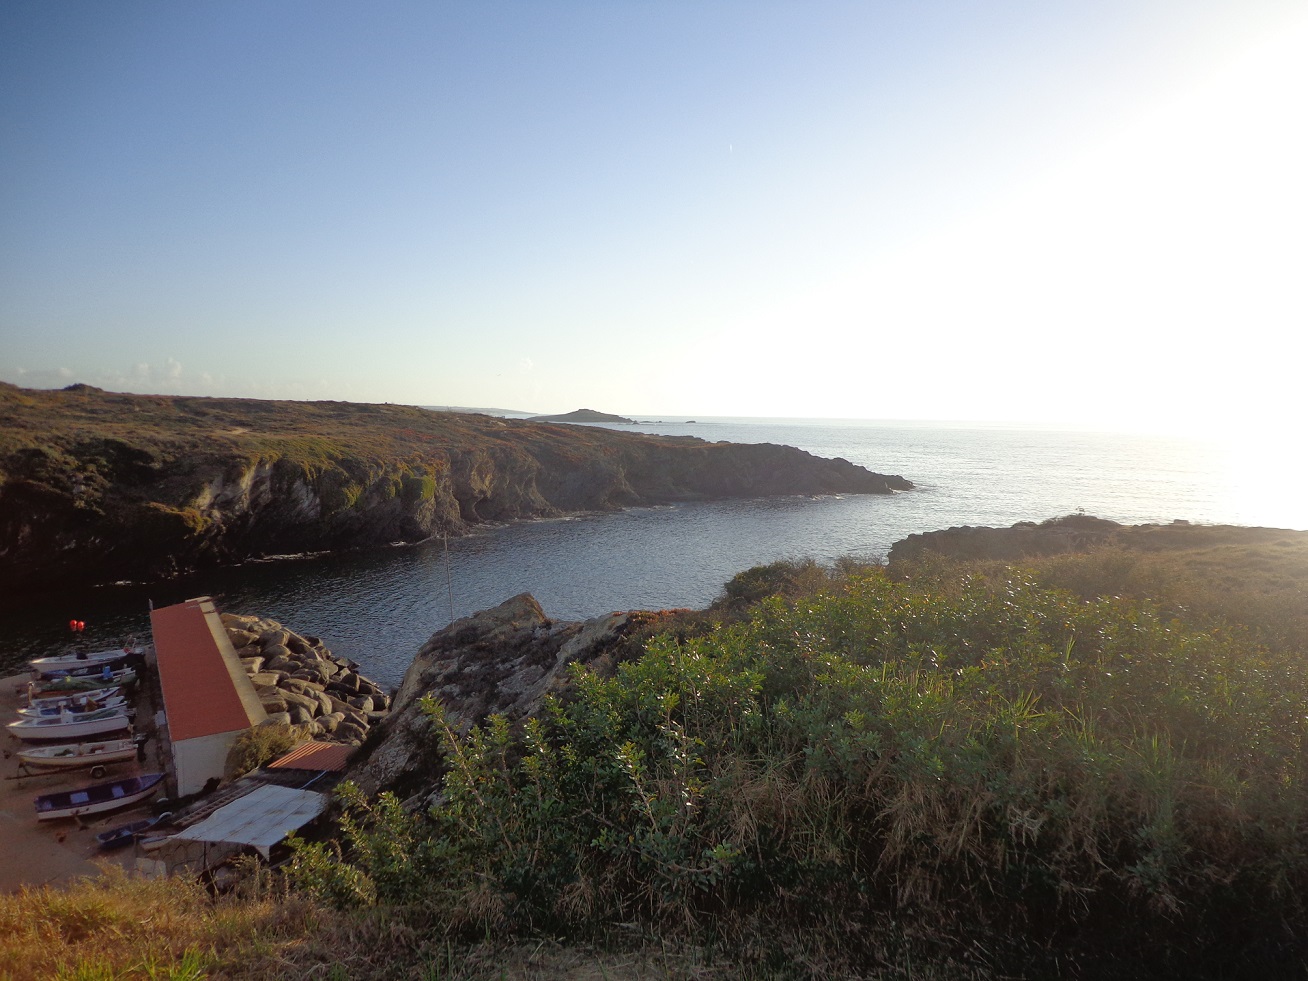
{"points": [[96, 486]]}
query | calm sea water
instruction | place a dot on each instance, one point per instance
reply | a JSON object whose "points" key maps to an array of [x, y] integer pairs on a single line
{"points": [[381, 605]]}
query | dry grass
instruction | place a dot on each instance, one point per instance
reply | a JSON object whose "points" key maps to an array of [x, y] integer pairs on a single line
{"points": [[122, 926]]}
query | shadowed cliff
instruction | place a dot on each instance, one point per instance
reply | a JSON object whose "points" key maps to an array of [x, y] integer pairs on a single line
{"points": [[98, 486]]}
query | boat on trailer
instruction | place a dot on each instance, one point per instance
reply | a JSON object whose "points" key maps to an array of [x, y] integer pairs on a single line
{"points": [[48, 728], [71, 756], [97, 798]]}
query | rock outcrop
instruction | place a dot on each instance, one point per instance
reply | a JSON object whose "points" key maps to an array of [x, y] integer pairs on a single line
{"points": [[302, 683], [1026, 539], [1082, 533], [96, 486], [501, 661]]}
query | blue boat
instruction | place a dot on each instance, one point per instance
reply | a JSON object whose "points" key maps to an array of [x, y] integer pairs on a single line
{"points": [[97, 798], [125, 834]]}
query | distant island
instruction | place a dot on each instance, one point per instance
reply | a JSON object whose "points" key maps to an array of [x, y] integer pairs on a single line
{"points": [[584, 415]]}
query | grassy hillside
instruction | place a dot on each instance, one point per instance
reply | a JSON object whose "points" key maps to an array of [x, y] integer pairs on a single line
{"points": [[97, 486], [960, 770]]}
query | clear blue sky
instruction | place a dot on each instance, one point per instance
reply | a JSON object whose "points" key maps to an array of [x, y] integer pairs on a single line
{"points": [[1088, 212]]}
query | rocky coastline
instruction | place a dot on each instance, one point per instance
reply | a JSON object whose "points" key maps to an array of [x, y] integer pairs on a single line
{"points": [[501, 661], [99, 487]]}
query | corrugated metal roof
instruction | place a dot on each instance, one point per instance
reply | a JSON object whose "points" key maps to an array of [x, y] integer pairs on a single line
{"points": [[315, 756], [260, 819], [203, 693]]}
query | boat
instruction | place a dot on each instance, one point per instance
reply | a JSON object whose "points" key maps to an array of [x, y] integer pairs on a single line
{"points": [[101, 669], [75, 705], [43, 698], [48, 728], [82, 659], [94, 754], [44, 687], [128, 833], [97, 798]]}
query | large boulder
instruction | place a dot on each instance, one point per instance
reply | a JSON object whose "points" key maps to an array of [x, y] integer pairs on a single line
{"points": [[501, 661], [290, 672]]}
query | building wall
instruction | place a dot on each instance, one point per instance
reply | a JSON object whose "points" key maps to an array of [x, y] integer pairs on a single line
{"points": [[200, 758]]}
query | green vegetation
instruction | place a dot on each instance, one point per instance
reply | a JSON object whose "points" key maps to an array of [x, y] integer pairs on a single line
{"points": [[255, 747], [116, 927], [881, 773], [948, 772]]}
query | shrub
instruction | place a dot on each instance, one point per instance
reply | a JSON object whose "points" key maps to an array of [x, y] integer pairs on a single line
{"points": [[258, 745], [981, 761]]}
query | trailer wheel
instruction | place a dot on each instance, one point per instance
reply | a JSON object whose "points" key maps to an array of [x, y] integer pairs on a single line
{"points": [[97, 771]]}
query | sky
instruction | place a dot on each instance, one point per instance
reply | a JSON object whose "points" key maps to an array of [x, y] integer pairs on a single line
{"points": [[1073, 213]]}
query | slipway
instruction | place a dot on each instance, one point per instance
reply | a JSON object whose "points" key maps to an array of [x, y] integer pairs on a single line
{"points": [[259, 820]]}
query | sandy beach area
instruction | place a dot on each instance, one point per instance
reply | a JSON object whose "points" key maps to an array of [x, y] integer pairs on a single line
{"points": [[36, 853]]}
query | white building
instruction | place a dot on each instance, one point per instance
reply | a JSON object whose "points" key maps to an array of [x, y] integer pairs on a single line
{"points": [[208, 699]]}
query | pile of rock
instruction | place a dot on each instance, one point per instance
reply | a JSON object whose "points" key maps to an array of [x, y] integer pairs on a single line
{"points": [[300, 682]]}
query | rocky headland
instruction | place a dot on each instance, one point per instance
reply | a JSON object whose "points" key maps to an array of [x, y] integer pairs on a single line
{"points": [[98, 486], [1079, 533]]}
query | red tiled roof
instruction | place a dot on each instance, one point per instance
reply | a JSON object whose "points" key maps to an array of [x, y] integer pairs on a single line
{"points": [[315, 756], [201, 691]]}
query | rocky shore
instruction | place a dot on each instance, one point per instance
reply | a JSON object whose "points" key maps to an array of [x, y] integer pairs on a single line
{"points": [[501, 661], [100, 487], [300, 682]]}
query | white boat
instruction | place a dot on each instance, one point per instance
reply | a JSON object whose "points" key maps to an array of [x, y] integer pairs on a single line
{"points": [[43, 698], [48, 728], [78, 755], [97, 798], [82, 659], [77, 706], [43, 687]]}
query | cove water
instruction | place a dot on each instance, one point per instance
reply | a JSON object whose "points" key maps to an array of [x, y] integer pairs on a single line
{"points": [[379, 606]]}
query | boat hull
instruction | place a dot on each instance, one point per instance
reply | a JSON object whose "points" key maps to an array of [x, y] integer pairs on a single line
{"points": [[76, 755], [56, 687], [44, 698], [52, 710], [53, 730], [97, 798], [75, 662]]}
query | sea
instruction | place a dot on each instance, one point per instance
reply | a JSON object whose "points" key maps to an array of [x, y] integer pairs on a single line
{"points": [[378, 606]]}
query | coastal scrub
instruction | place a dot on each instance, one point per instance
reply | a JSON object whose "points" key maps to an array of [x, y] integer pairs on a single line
{"points": [[887, 770]]}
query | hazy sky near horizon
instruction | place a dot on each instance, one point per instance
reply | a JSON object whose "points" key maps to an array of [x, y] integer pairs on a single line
{"points": [[1092, 213]]}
